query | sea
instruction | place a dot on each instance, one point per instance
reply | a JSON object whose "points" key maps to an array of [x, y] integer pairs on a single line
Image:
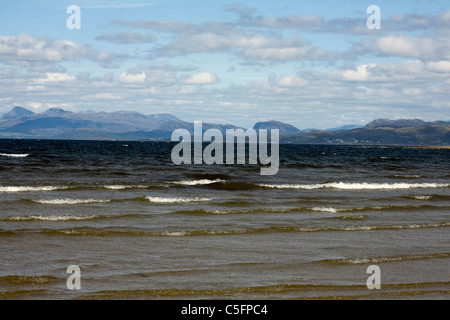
{"points": [[335, 221]]}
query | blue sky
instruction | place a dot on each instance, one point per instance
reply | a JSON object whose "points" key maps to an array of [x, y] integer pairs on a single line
{"points": [[313, 64]]}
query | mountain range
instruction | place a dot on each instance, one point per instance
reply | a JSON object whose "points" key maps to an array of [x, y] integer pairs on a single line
{"points": [[56, 123]]}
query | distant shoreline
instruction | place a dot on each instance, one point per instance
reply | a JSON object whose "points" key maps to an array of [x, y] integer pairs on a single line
{"points": [[431, 147]]}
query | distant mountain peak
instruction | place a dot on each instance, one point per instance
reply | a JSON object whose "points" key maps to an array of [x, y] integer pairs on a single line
{"points": [[164, 117], [57, 111], [346, 127], [284, 128], [17, 113], [401, 123]]}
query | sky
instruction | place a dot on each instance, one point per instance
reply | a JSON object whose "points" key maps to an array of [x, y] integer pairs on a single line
{"points": [[312, 64]]}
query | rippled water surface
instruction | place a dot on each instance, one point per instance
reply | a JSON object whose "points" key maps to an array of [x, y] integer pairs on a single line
{"points": [[140, 227]]}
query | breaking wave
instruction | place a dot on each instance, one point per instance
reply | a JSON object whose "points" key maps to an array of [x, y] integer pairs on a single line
{"points": [[62, 218], [356, 186], [176, 200], [14, 155], [390, 259], [70, 201], [14, 189], [49, 218], [197, 182]]}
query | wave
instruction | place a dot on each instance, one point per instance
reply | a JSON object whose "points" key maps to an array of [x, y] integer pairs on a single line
{"points": [[109, 232], [15, 189], [356, 217], [89, 231], [323, 209], [7, 233], [196, 182], [162, 200], [237, 211], [62, 218], [356, 186], [305, 209], [48, 218], [70, 201], [117, 187], [24, 155], [405, 176], [307, 291], [428, 197], [363, 228], [421, 197], [389, 259], [233, 185], [124, 187], [176, 200], [388, 208], [27, 279], [219, 184]]}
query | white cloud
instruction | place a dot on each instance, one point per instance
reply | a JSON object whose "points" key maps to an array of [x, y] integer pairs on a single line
{"points": [[201, 78], [360, 74], [402, 46], [30, 49], [54, 78], [291, 21], [439, 66], [291, 81], [132, 78], [412, 91], [127, 38], [445, 17], [236, 39], [103, 96]]}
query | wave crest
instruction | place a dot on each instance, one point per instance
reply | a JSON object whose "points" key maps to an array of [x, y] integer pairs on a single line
{"points": [[48, 218], [356, 186], [24, 155], [14, 189], [70, 201], [389, 259], [197, 182], [176, 200]]}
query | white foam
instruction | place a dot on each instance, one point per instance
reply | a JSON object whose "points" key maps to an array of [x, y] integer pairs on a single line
{"points": [[292, 186], [176, 200], [13, 189], [323, 209], [116, 187], [357, 186], [14, 155], [123, 187], [422, 197], [407, 176], [48, 218], [197, 182], [175, 234], [70, 201], [392, 259]]}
